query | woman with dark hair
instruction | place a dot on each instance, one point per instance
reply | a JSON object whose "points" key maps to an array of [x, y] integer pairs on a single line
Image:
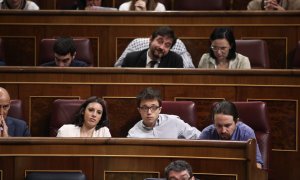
{"points": [[142, 5], [222, 53], [18, 4], [90, 121]]}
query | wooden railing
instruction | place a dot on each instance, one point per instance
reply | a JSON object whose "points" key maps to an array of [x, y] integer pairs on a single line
{"points": [[114, 158], [110, 32]]}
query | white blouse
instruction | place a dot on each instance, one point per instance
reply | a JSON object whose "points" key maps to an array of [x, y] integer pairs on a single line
{"points": [[70, 130]]}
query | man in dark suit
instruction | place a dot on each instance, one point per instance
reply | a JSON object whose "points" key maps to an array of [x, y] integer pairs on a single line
{"points": [[158, 55], [64, 54], [10, 126]]}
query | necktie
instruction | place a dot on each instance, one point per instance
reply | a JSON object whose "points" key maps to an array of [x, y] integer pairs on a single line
{"points": [[152, 63]]}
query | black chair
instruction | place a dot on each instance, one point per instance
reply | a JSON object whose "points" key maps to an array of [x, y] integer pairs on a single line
{"points": [[55, 176]]}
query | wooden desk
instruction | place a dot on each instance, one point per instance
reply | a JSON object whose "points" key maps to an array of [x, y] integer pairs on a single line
{"points": [[39, 87], [110, 32], [117, 158]]}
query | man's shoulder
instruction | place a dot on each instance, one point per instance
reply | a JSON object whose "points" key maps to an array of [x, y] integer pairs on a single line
{"points": [[209, 129], [136, 130], [137, 53], [209, 133], [169, 117], [69, 127], [12, 120], [244, 127], [78, 63], [173, 54], [135, 59]]}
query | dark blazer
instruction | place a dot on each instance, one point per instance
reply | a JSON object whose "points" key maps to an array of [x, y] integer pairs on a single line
{"points": [[16, 127], [74, 63], [139, 59]]}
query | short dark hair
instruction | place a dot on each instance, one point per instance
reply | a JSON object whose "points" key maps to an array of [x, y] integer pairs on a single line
{"points": [[64, 45], [149, 93], [164, 31], [227, 108], [224, 33], [178, 166], [79, 118]]}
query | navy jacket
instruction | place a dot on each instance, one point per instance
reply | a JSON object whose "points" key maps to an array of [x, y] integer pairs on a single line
{"points": [[139, 58], [17, 127]]}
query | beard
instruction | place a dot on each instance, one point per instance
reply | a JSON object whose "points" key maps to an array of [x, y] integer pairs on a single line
{"points": [[157, 53], [225, 136]]}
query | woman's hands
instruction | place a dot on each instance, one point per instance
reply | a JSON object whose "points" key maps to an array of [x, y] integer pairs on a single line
{"points": [[272, 5]]}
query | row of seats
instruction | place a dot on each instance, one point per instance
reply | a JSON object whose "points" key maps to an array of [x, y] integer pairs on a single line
{"points": [[253, 114], [181, 5], [256, 50]]}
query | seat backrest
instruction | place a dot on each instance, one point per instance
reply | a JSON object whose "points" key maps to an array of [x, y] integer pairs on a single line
{"points": [[296, 59], [63, 113], [66, 4], [186, 110], [256, 51], [55, 176], [196, 5], [254, 114], [84, 50], [15, 109]]}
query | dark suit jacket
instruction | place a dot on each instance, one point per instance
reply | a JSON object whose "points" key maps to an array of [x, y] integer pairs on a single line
{"points": [[16, 127], [74, 63], [139, 59]]}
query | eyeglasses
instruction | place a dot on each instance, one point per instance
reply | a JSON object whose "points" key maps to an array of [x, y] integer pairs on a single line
{"points": [[5, 107], [146, 108], [222, 49]]}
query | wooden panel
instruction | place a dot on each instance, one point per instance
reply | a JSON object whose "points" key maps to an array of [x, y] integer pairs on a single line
{"points": [[40, 114], [112, 175], [127, 115], [111, 31], [278, 88], [134, 158], [19, 51], [6, 168], [283, 115], [25, 164]]}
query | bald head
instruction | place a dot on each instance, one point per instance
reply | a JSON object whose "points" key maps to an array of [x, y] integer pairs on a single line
{"points": [[4, 93], [4, 102]]}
